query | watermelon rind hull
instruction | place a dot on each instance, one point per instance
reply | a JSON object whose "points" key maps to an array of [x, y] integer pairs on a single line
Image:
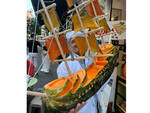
{"points": [[83, 93]]}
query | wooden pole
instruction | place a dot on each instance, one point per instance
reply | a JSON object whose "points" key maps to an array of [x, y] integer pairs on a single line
{"points": [[60, 33], [36, 94], [85, 34], [81, 57], [95, 13], [107, 34], [82, 26], [101, 16], [82, 4], [95, 30], [48, 7], [55, 35]]}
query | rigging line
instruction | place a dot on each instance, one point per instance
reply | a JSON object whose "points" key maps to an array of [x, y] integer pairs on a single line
{"points": [[64, 26], [34, 35], [43, 59], [68, 22]]}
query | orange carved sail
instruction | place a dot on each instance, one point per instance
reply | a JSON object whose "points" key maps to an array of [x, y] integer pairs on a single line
{"points": [[87, 21], [98, 9], [53, 49], [69, 3], [82, 44], [104, 24], [54, 19]]}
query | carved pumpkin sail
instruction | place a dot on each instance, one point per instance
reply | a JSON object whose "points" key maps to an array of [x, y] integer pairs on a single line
{"points": [[53, 16], [69, 3], [87, 21], [104, 24], [54, 51], [98, 9], [82, 45]]}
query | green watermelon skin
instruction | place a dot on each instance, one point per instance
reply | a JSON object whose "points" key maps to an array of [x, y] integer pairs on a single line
{"points": [[84, 93]]}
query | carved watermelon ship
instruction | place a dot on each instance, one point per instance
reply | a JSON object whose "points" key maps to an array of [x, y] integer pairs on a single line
{"points": [[64, 93]]}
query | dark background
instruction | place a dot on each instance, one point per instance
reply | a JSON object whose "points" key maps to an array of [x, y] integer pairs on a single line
{"points": [[61, 9]]}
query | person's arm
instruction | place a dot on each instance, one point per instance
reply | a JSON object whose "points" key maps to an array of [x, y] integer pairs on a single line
{"points": [[78, 107], [39, 44]]}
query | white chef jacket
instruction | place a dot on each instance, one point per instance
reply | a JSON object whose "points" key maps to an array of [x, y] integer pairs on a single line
{"points": [[91, 103]]}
